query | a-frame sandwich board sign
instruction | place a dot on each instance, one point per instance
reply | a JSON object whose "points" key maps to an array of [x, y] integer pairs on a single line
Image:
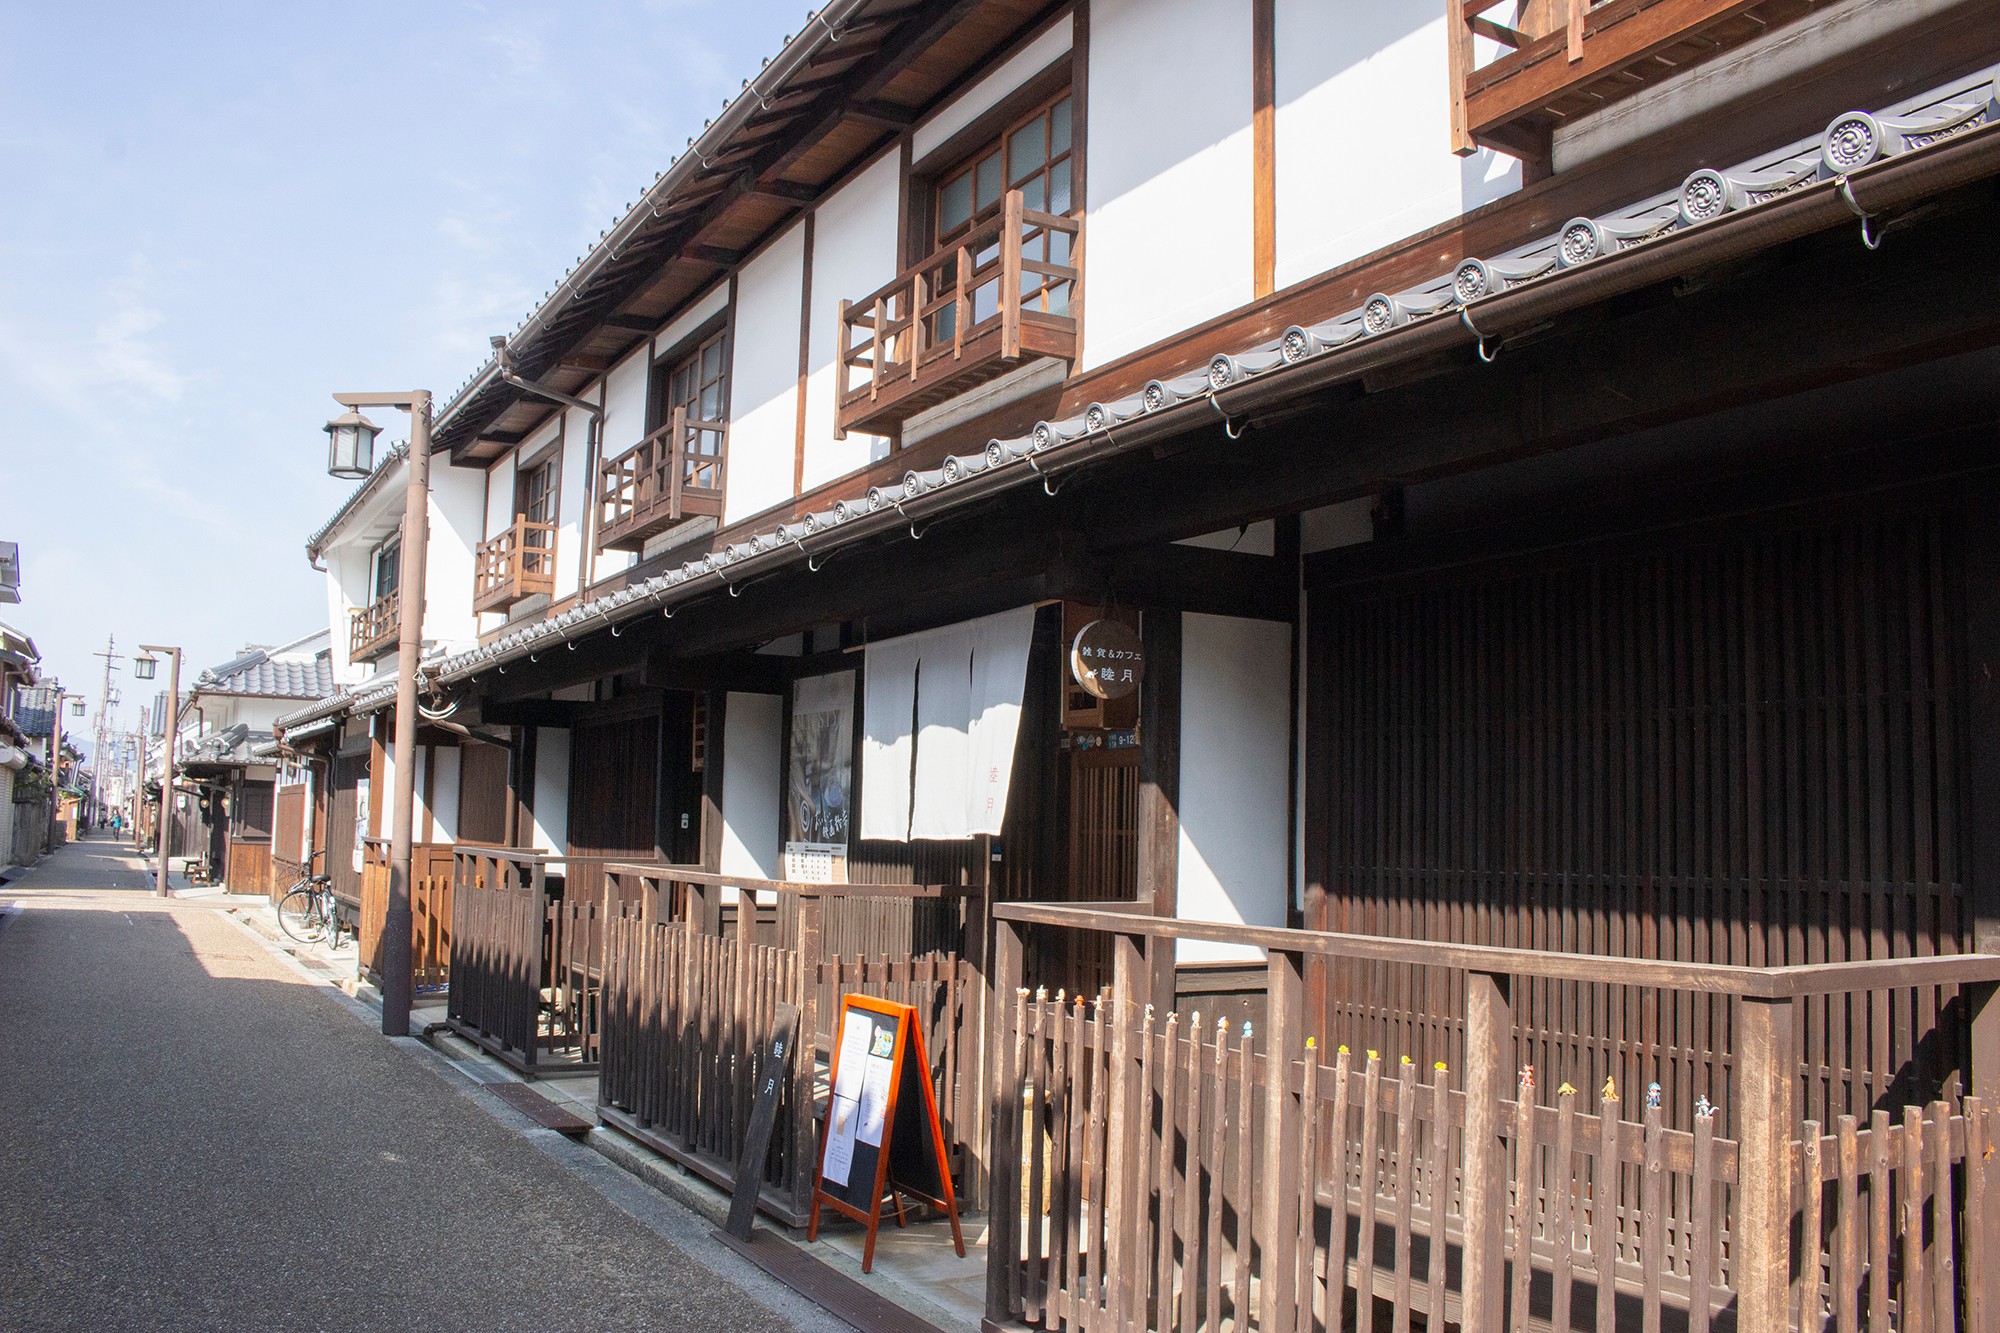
{"points": [[883, 1135]]}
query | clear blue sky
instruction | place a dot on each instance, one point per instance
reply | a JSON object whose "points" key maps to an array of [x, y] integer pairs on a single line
{"points": [[217, 214]]}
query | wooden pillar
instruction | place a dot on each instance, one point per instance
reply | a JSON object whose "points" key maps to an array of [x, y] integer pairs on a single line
{"points": [[811, 915], [1489, 1049], [1764, 1118], [704, 900], [1003, 1157], [1981, 543], [1160, 790], [1129, 985], [1278, 1186]]}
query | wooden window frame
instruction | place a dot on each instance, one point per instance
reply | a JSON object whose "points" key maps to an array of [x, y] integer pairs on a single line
{"points": [[377, 564], [719, 330], [549, 456], [1049, 85]]}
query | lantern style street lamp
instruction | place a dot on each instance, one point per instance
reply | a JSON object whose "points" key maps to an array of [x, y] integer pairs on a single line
{"points": [[143, 667], [396, 918], [350, 445]]}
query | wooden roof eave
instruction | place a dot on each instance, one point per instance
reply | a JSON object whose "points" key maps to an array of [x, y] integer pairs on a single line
{"points": [[748, 144]]}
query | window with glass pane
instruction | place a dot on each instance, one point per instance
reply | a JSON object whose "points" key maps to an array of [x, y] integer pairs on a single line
{"points": [[698, 386], [1033, 155], [537, 491], [388, 567]]}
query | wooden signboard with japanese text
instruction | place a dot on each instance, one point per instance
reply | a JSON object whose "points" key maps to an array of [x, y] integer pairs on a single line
{"points": [[763, 1116], [882, 1135]]}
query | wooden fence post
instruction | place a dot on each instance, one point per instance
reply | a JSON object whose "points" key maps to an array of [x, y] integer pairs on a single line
{"points": [[1122, 1186], [1982, 1006], [1489, 1032], [1764, 1095], [811, 916], [1003, 1155], [1278, 1184]]}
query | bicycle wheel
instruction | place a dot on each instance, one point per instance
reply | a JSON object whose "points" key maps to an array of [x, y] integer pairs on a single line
{"points": [[299, 915], [331, 911]]}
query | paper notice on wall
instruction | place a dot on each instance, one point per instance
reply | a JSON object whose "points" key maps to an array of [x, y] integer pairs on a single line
{"points": [[854, 1030], [875, 1099], [842, 1119]]}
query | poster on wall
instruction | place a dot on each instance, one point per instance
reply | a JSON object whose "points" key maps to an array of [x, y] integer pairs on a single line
{"points": [[819, 781]]}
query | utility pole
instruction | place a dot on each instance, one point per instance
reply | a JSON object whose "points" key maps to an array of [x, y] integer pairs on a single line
{"points": [[100, 744]]}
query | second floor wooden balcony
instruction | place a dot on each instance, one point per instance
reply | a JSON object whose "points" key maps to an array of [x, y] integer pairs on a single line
{"points": [[673, 474], [374, 629], [1560, 59], [997, 298], [516, 564]]}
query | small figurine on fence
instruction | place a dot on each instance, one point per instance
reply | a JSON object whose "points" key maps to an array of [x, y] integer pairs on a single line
{"points": [[1566, 1090], [1609, 1092], [1652, 1096], [1527, 1076], [1703, 1107]]}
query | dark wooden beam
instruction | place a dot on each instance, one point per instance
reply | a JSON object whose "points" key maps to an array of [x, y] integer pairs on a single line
{"points": [[887, 114], [1187, 578], [634, 323], [720, 256], [1160, 788], [585, 361], [787, 192], [533, 712], [749, 673]]}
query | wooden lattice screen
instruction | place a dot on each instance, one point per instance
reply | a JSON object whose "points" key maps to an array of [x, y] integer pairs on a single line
{"points": [[1743, 749]]}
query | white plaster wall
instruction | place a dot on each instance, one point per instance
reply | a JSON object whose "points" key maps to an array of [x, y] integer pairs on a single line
{"points": [[982, 96], [764, 379], [588, 566], [499, 495], [570, 502], [1363, 133], [625, 401], [444, 794], [854, 252], [683, 325], [336, 616], [1169, 231], [552, 789], [1235, 805], [752, 769], [456, 494]]}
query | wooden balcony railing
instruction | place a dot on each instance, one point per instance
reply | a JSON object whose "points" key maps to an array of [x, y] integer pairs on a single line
{"points": [[1560, 59], [518, 563], [374, 629], [672, 474], [995, 299]]}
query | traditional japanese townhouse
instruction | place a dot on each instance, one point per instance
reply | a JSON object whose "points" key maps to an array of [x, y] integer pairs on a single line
{"points": [[1536, 466], [226, 729]]}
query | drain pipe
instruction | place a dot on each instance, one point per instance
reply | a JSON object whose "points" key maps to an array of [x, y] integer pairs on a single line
{"points": [[587, 522]]}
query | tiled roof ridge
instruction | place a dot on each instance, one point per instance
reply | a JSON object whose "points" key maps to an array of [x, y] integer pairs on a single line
{"points": [[1851, 141]]}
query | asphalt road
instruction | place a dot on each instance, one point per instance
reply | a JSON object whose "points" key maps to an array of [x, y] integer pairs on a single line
{"points": [[192, 1136]]}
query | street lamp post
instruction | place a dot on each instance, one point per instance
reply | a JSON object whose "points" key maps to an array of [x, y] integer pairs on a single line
{"points": [[350, 444], [143, 668], [76, 703]]}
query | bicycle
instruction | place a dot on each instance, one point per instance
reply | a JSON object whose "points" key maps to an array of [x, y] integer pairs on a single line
{"points": [[308, 912]]}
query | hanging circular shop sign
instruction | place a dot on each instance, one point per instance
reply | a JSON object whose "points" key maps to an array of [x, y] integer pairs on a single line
{"points": [[1106, 659]]}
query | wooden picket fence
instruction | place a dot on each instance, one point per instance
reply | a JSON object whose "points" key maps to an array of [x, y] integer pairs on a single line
{"points": [[430, 917], [690, 989], [1169, 1173], [527, 967]]}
